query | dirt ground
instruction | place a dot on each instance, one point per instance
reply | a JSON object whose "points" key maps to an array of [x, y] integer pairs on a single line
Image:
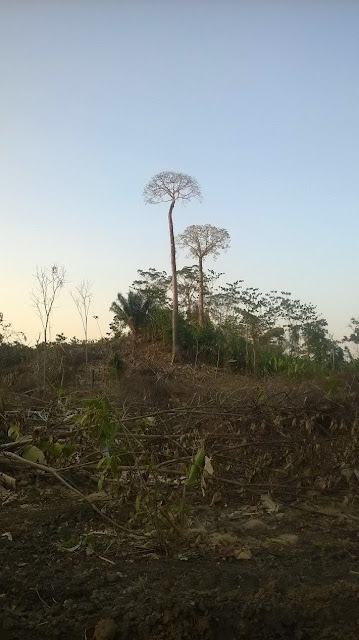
{"points": [[243, 571], [275, 556]]}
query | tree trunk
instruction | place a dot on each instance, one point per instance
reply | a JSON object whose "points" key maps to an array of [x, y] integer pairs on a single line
{"points": [[200, 292], [175, 344], [45, 356], [86, 348]]}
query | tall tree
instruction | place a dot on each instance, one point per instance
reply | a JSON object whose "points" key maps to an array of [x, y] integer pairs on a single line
{"points": [[257, 317], [8, 334], [82, 297], [187, 279], [203, 240], [49, 282], [153, 285], [354, 335], [169, 186]]}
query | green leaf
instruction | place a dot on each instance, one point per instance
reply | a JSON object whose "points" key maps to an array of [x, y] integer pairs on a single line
{"points": [[196, 467], [113, 465], [57, 449], [14, 431], [68, 449], [101, 462], [33, 454], [150, 420], [138, 504]]}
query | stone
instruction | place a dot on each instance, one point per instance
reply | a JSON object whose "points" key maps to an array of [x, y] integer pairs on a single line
{"points": [[254, 524], [105, 630]]}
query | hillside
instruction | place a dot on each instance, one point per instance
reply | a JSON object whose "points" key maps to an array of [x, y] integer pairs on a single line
{"points": [[176, 501]]}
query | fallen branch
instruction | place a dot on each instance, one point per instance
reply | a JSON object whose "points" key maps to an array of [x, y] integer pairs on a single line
{"points": [[16, 443], [325, 512], [249, 485], [128, 467], [52, 471]]}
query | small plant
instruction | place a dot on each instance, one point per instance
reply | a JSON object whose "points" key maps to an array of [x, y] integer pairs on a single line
{"points": [[196, 468], [107, 465], [116, 366], [47, 450], [27, 451], [100, 421]]}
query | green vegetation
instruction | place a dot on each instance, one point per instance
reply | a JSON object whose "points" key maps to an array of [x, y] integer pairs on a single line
{"points": [[239, 328], [204, 319]]}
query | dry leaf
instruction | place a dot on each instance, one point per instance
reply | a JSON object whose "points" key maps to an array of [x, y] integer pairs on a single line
{"points": [[7, 481], [98, 495], [242, 554], [7, 535], [6, 496], [269, 504], [236, 515], [285, 538], [208, 466], [69, 549], [254, 524], [105, 630], [217, 497], [347, 473], [150, 556], [218, 539]]}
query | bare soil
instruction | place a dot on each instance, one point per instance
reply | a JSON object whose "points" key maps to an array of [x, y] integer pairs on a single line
{"points": [[270, 548], [291, 574]]}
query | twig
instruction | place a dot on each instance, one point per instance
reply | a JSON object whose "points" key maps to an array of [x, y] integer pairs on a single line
{"points": [[43, 601], [204, 411], [17, 443], [106, 560], [129, 467], [43, 467], [248, 485], [324, 512]]}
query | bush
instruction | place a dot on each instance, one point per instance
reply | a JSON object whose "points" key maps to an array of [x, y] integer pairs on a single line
{"points": [[11, 355], [116, 366]]}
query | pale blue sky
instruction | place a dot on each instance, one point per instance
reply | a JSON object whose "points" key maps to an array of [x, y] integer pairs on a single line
{"points": [[257, 100]]}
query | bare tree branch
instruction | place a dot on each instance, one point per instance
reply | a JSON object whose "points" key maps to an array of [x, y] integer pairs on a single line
{"points": [[203, 240], [169, 186], [82, 297], [49, 282]]}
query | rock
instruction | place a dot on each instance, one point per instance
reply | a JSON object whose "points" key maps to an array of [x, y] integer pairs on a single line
{"points": [[286, 538], [68, 604], [111, 577], [105, 630], [57, 610], [219, 539], [254, 524], [242, 554]]}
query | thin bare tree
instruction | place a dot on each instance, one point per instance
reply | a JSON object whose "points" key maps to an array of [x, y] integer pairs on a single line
{"points": [[49, 282], [8, 334], [82, 297], [203, 240], [97, 318], [169, 186]]}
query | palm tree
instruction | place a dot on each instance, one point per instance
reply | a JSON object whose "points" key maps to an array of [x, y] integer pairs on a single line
{"points": [[133, 310]]}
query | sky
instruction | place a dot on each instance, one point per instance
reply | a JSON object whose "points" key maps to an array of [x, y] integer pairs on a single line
{"points": [[259, 101]]}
